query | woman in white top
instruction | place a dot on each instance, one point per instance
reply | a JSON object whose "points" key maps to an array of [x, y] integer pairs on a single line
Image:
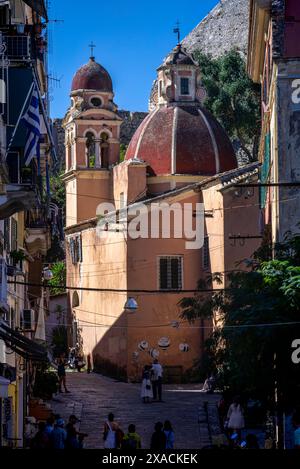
{"points": [[235, 417], [110, 433], [146, 392]]}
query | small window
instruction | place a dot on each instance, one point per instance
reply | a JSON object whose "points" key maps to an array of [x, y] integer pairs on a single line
{"points": [[205, 254], [170, 273], [184, 86], [96, 102]]}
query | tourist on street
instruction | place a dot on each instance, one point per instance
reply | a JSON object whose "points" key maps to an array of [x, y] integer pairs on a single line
{"points": [[235, 417], [157, 372], [59, 435], [146, 393], [61, 372], [158, 440], [89, 364], [41, 439], [72, 441], [50, 425], [169, 432], [112, 434], [131, 440], [297, 436]]}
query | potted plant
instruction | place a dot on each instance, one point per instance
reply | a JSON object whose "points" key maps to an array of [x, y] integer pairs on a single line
{"points": [[17, 256], [26, 176]]}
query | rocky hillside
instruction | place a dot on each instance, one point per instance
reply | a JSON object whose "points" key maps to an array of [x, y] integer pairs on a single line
{"points": [[224, 28]]}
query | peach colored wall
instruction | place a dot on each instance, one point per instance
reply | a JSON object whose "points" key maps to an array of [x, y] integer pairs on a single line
{"points": [[124, 172], [71, 202], [92, 191], [103, 266], [161, 309], [115, 263]]}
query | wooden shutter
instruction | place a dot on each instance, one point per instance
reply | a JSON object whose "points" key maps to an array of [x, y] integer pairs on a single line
{"points": [[14, 235], [163, 273], [175, 265], [6, 234]]}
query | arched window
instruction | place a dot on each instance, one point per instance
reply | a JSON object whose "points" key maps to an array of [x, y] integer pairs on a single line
{"points": [[75, 300], [90, 149], [104, 150]]}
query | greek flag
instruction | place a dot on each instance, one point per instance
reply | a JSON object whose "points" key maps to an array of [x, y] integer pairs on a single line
{"points": [[31, 119]]}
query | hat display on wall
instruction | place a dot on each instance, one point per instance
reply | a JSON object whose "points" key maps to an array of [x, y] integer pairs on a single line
{"points": [[143, 345], [184, 347], [164, 343], [175, 324], [154, 353]]}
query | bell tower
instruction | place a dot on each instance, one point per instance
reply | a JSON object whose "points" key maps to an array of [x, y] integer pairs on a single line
{"points": [[92, 140]]}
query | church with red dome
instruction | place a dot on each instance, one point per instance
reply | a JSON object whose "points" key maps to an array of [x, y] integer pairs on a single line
{"points": [[179, 156]]}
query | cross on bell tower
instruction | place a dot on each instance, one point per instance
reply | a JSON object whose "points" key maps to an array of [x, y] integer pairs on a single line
{"points": [[92, 46], [177, 31]]}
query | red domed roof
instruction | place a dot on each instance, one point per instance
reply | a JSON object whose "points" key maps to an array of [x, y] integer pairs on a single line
{"points": [[92, 76], [182, 140]]}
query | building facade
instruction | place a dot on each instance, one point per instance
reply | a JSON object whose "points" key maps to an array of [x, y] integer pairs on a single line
{"points": [[179, 155], [25, 212], [274, 61]]}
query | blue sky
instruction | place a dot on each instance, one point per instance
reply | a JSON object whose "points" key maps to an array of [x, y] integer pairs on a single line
{"points": [[132, 38]]}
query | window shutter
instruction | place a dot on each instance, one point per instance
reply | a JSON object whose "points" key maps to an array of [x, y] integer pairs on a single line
{"points": [[6, 234], [175, 273], [206, 261], [163, 273], [14, 235], [72, 250], [79, 247]]}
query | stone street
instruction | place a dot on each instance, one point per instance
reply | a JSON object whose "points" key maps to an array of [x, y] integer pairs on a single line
{"points": [[93, 396]]}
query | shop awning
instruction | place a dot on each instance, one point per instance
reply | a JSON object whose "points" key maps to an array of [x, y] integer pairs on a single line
{"points": [[38, 6], [23, 346]]}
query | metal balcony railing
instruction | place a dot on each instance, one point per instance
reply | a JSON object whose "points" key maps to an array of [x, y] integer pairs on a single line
{"points": [[17, 47]]}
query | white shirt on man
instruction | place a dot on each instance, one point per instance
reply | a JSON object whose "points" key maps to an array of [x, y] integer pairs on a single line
{"points": [[157, 371]]}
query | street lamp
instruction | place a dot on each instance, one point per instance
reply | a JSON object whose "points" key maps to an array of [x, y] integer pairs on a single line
{"points": [[131, 305]]}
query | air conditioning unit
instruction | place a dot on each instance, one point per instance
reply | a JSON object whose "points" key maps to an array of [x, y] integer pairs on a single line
{"points": [[28, 320]]}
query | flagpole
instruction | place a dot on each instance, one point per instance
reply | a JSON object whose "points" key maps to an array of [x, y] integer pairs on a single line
{"points": [[19, 120]]}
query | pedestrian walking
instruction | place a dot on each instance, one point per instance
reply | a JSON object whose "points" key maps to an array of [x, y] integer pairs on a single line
{"points": [[41, 439], [297, 436], [112, 434], [89, 364], [131, 440], [61, 372], [49, 425], [146, 392], [59, 435], [169, 432], [235, 417], [156, 378], [158, 439], [72, 441]]}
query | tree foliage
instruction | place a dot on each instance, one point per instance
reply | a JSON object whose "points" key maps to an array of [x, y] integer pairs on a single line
{"points": [[59, 278], [232, 98], [259, 315]]}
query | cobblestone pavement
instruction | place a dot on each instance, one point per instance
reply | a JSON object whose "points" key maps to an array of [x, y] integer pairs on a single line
{"points": [[93, 396]]}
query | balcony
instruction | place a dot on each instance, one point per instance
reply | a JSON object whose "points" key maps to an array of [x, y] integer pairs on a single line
{"points": [[17, 48]]}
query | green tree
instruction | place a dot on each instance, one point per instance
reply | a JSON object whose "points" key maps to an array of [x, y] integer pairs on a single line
{"points": [[259, 316], [232, 98], [59, 278], [123, 149]]}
